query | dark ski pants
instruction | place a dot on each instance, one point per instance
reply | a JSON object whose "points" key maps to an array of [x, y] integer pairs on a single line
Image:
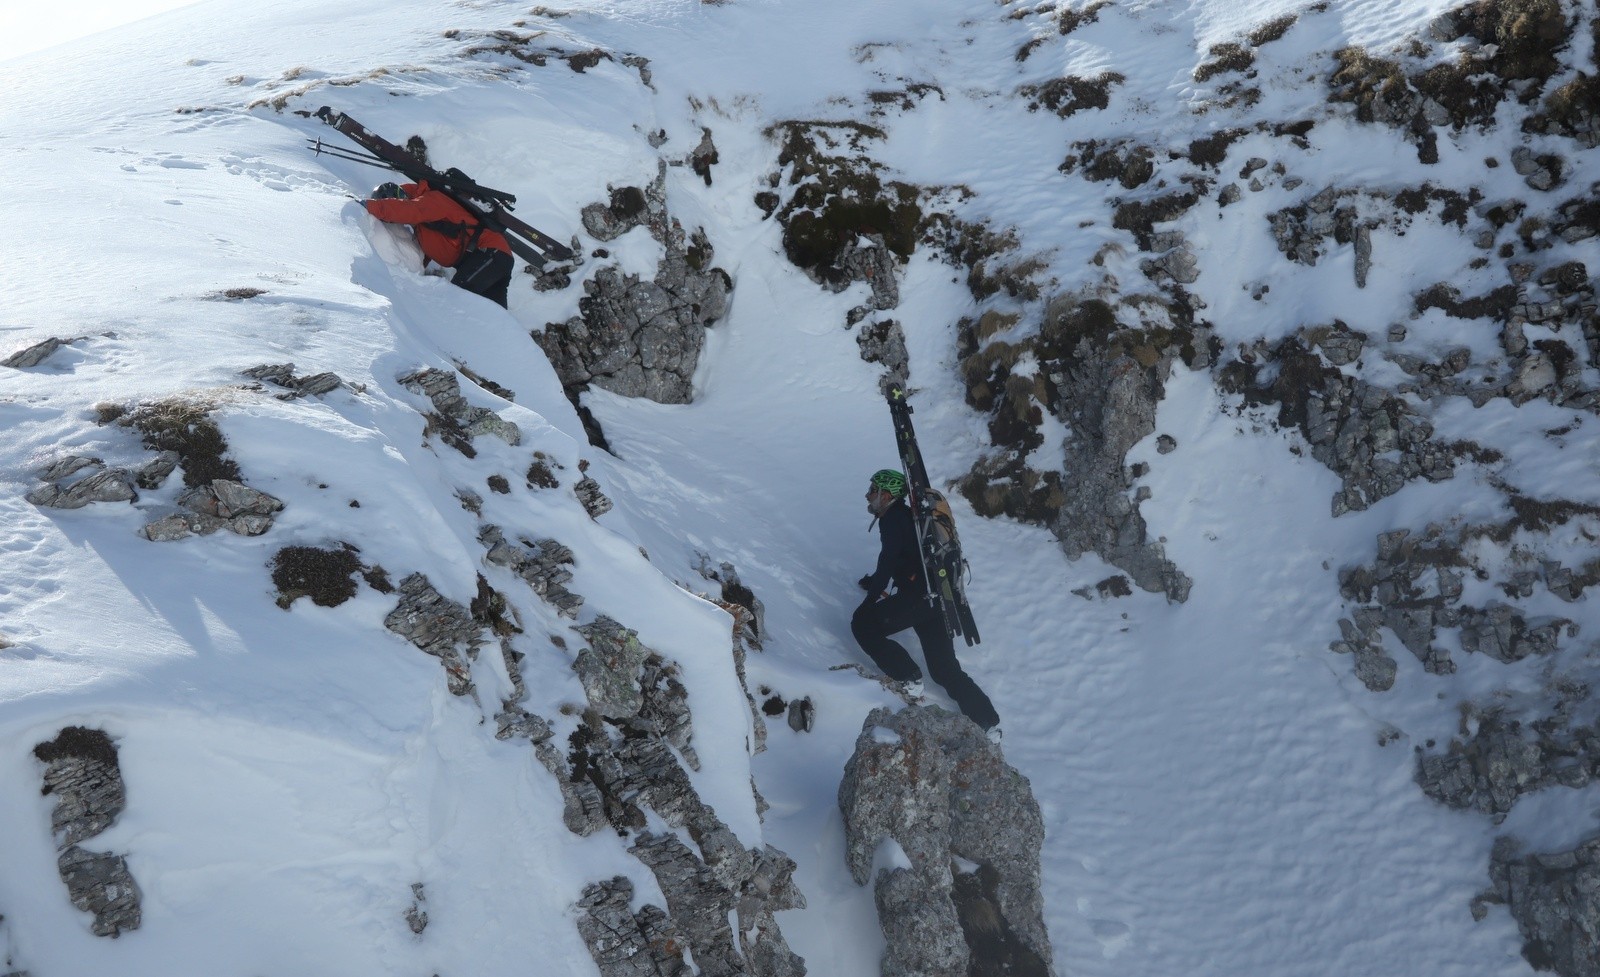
{"points": [[875, 621], [485, 272]]}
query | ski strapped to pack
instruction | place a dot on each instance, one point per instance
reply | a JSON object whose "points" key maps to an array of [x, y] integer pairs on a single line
{"points": [[489, 207], [943, 567]]}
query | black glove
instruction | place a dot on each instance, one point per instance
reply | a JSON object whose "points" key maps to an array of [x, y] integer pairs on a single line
{"points": [[866, 583], [388, 191]]}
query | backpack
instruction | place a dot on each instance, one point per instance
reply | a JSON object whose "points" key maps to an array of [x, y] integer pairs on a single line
{"points": [[941, 548]]}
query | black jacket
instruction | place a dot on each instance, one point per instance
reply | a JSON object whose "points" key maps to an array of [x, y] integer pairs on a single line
{"points": [[900, 559]]}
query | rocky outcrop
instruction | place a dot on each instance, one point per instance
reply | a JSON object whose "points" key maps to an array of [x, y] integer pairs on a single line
{"points": [[440, 627], [1505, 758], [1105, 383], [1414, 588], [543, 565], [883, 342], [625, 943], [26, 359], [623, 762], [456, 421], [83, 775], [634, 337], [283, 375], [221, 504], [106, 485], [949, 835], [1373, 440], [1555, 899]]}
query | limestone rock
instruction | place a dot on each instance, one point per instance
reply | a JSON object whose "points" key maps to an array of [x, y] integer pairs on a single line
{"points": [[83, 774], [931, 782], [34, 355], [443, 388], [1505, 758], [634, 337], [543, 565], [110, 485], [625, 943], [283, 375], [609, 668], [438, 626], [884, 342], [591, 497], [1555, 899]]}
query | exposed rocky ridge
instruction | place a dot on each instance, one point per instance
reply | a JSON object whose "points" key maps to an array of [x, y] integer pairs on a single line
{"points": [[962, 897], [82, 773], [622, 762], [633, 337], [1104, 381], [1553, 899]]}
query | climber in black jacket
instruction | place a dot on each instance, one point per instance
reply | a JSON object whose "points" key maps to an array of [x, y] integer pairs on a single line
{"points": [[884, 613]]}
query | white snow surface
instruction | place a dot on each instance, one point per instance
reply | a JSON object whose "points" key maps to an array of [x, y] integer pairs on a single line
{"points": [[1216, 798]]}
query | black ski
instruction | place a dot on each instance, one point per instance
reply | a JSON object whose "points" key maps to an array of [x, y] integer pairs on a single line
{"points": [[488, 206], [942, 565]]}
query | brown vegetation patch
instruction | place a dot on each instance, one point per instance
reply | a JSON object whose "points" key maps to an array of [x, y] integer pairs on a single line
{"points": [[324, 575], [1068, 96], [1227, 57], [78, 743], [186, 428]]}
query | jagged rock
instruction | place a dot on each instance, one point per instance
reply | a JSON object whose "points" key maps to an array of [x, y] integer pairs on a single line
{"points": [[543, 565], [630, 207], [100, 883], [609, 668], [34, 355], [1504, 759], [221, 504], [83, 774], [515, 722], [438, 626], [1375, 441], [594, 500], [884, 343], [443, 388], [1363, 249], [1109, 398], [641, 338], [699, 902], [802, 715], [1504, 635], [111, 485], [624, 943], [930, 781], [283, 375], [1555, 899]]}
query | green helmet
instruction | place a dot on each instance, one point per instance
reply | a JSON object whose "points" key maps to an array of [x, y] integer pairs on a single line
{"points": [[891, 481]]}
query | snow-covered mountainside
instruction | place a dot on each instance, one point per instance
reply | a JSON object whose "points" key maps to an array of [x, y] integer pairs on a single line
{"points": [[350, 624]]}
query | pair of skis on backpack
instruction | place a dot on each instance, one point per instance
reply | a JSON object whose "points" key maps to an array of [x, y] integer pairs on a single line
{"points": [[489, 207], [943, 567]]}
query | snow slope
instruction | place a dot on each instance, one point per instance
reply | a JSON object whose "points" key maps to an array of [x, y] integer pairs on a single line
{"points": [[1216, 792]]}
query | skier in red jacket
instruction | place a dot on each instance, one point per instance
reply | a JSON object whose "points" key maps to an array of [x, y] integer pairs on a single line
{"points": [[449, 235]]}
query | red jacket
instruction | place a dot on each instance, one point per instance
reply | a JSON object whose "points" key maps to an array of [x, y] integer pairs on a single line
{"points": [[426, 206]]}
